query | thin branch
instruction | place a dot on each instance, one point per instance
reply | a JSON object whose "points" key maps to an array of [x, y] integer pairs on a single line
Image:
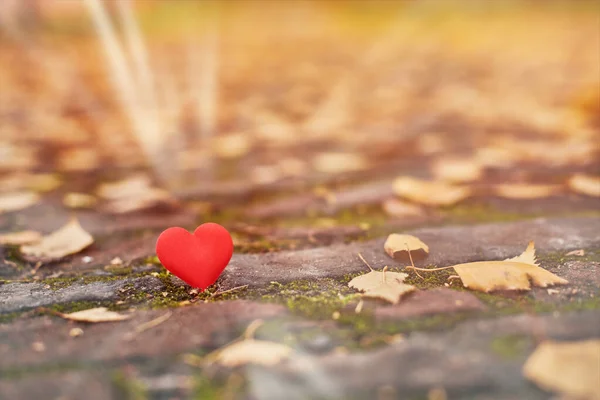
{"points": [[365, 261]]}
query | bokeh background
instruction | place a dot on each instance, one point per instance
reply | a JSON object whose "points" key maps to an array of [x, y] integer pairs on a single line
{"points": [[228, 105]]}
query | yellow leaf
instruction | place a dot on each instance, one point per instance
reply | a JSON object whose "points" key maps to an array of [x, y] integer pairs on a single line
{"points": [[432, 193], [397, 244], [18, 238], [69, 239], [335, 163], [382, 284], [100, 314], [17, 201], [570, 368], [252, 351], [391, 291], [511, 274], [373, 279], [399, 208], [79, 200], [585, 184], [457, 169], [525, 190]]}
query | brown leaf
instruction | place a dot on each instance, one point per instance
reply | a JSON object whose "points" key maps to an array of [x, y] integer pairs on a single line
{"points": [[570, 368], [79, 200], [69, 239], [511, 274], [585, 184], [525, 190], [432, 193], [17, 201], [19, 238], [100, 314], [252, 351], [382, 284], [457, 169], [397, 244], [399, 208]]}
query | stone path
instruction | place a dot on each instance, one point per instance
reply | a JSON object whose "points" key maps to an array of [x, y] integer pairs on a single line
{"points": [[441, 340]]}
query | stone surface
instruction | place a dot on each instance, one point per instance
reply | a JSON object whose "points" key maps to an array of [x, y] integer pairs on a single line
{"points": [[207, 325], [427, 302], [475, 360], [448, 246]]}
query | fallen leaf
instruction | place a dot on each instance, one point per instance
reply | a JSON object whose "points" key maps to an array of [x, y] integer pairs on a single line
{"points": [[252, 351], [335, 163], [398, 245], [79, 200], [432, 193], [570, 368], [19, 238], [69, 239], [525, 190], [151, 197], [382, 284], [128, 187], [233, 145], [390, 290], [457, 169], [373, 279], [579, 253], [133, 194], [399, 208], [511, 274], [100, 314], [17, 201], [585, 184]]}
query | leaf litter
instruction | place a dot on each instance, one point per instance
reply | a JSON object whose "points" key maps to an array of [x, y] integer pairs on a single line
{"points": [[515, 273], [570, 368], [245, 350], [398, 245], [99, 314], [382, 284], [69, 239]]}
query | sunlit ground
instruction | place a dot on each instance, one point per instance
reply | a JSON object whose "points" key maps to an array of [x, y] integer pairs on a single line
{"points": [[222, 98]]}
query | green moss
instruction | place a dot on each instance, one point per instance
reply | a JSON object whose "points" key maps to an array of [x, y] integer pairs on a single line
{"points": [[118, 270], [127, 388], [59, 283], [512, 346]]}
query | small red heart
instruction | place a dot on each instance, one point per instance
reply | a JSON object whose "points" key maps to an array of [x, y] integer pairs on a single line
{"points": [[197, 259]]}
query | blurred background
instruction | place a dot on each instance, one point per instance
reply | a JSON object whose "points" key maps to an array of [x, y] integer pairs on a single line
{"points": [[265, 109]]}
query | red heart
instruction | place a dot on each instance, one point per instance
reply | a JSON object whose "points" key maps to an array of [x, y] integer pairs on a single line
{"points": [[197, 259]]}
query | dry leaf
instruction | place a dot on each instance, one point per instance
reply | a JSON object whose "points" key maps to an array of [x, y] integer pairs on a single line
{"points": [[126, 188], [100, 314], [252, 351], [457, 169], [151, 197], [399, 208], [17, 201], [570, 368], [585, 184], [432, 193], [397, 245], [69, 239], [382, 284], [579, 253], [525, 190], [374, 278], [133, 194], [390, 290], [335, 163], [19, 238], [511, 274], [231, 146], [79, 200]]}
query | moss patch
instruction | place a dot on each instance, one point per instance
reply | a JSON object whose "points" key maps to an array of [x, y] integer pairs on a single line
{"points": [[512, 346]]}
